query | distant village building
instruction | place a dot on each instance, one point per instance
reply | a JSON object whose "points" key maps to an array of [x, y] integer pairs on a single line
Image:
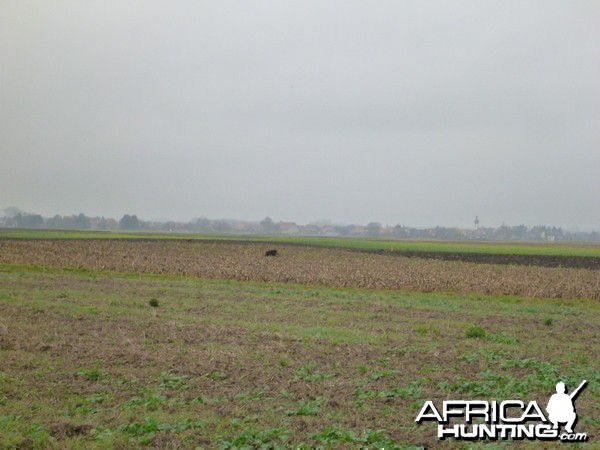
{"points": [[288, 228]]}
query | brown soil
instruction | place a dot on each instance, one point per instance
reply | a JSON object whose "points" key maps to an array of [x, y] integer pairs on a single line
{"points": [[576, 262]]}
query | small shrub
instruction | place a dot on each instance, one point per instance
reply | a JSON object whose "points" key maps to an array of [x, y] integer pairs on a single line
{"points": [[475, 332], [549, 321], [153, 302], [284, 361]]}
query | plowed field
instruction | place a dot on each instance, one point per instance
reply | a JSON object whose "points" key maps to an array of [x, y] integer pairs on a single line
{"points": [[305, 265]]}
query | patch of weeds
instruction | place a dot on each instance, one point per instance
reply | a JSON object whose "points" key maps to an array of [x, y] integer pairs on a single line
{"points": [[384, 374], [217, 376], [582, 359], [172, 381], [413, 390], [189, 424], [220, 399], [487, 446], [101, 433], [92, 310], [122, 381], [358, 404], [544, 370], [237, 422], [153, 302], [369, 439], [378, 439], [82, 406], [199, 400], [147, 430], [8, 426], [307, 373], [577, 374], [421, 329], [133, 403], [91, 374], [362, 369], [334, 434], [284, 361], [491, 385], [549, 321], [427, 329], [469, 358], [285, 393], [37, 435], [385, 361], [503, 338], [485, 355], [406, 350], [273, 439], [97, 398], [251, 397], [310, 408], [475, 332], [365, 394], [151, 403], [494, 385]]}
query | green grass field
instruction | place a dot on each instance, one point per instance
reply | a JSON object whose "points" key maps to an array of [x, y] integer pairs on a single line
{"points": [[493, 248], [94, 359]]}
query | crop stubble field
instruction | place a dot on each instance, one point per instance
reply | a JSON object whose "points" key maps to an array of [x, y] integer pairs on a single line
{"points": [[315, 347], [304, 265]]}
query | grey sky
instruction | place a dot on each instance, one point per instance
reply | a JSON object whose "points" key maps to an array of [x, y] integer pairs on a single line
{"points": [[412, 112]]}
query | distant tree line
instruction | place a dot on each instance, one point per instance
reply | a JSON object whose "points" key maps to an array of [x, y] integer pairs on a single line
{"points": [[15, 218]]}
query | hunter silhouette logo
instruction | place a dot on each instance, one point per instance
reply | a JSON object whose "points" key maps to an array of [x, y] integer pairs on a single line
{"points": [[510, 419], [560, 406]]}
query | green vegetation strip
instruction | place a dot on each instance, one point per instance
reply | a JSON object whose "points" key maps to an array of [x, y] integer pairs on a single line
{"points": [[492, 248]]}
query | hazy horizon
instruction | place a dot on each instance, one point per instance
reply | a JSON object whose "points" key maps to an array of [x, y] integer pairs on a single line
{"points": [[414, 113], [319, 222]]}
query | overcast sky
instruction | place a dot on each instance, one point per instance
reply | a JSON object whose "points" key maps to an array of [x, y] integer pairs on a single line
{"points": [[418, 112]]}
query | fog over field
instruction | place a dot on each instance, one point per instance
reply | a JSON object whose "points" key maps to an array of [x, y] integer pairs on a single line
{"points": [[412, 112]]}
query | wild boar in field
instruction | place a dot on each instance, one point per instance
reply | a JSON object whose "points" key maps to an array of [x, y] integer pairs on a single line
{"points": [[272, 252]]}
